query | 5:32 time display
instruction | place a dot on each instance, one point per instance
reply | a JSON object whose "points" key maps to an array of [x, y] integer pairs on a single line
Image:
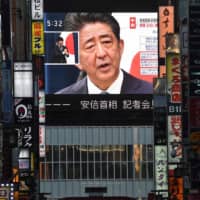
{"points": [[54, 23]]}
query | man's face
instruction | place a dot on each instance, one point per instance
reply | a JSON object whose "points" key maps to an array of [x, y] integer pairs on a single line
{"points": [[60, 43], [100, 53]]}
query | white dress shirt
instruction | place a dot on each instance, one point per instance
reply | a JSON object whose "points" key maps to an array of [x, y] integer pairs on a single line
{"points": [[115, 87]]}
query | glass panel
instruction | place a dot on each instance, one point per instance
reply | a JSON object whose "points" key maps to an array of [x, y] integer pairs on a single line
{"points": [[70, 153], [70, 171], [144, 170], [48, 172], [124, 169], [77, 170], [76, 153], [117, 155], [104, 155], [63, 153], [63, 170], [104, 170], [90, 153], [150, 152], [97, 170], [150, 170], [97, 154], [49, 153], [56, 171], [84, 170], [110, 170], [130, 170], [111, 151], [130, 152], [55, 153], [144, 153], [124, 153], [91, 170], [84, 151], [117, 170]]}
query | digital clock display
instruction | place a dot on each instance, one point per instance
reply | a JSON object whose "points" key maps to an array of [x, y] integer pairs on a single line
{"points": [[54, 22]]}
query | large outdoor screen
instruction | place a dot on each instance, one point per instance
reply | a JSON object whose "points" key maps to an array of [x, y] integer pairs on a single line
{"points": [[130, 102]]}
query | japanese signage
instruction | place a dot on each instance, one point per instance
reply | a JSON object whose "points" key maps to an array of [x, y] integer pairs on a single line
{"points": [[41, 106], [25, 137], [95, 109], [122, 107], [23, 110], [42, 140], [175, 138], [174, 83], [37, 9], [140, 29], [174, 107], [166, 25], [37, 38], [161, 168]]}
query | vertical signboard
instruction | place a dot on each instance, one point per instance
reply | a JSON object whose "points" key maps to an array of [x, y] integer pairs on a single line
{"points": [[161, 169], [37, 9], [174, 88], [37, 38], [42, 140], [174, 107], [166, 25]]}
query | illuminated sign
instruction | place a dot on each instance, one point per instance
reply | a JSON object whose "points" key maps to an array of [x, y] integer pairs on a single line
{"points": [[23, 79], [161, 168], [37, 38], [41, 107], [131, 100], [37, 9], [25, 136], [166, 25], [95, 109], [23, 110], [42, 140], [175, 147]]}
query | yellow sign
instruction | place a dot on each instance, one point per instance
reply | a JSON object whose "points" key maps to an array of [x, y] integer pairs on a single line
{"points": [[37, 38]]}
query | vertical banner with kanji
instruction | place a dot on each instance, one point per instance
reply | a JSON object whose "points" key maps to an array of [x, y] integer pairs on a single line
{"points": [[37, 38], [166, 25]]}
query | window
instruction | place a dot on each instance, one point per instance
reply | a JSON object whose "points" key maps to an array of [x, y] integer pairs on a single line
{"points": [[97, 162]]}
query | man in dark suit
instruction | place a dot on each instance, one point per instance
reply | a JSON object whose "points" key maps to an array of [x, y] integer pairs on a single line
{"points": [[61, 52], [100, 53]]}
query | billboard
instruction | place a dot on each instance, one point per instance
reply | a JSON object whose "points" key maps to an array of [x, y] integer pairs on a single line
{"points": [[161, 168], [86, 66]]}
